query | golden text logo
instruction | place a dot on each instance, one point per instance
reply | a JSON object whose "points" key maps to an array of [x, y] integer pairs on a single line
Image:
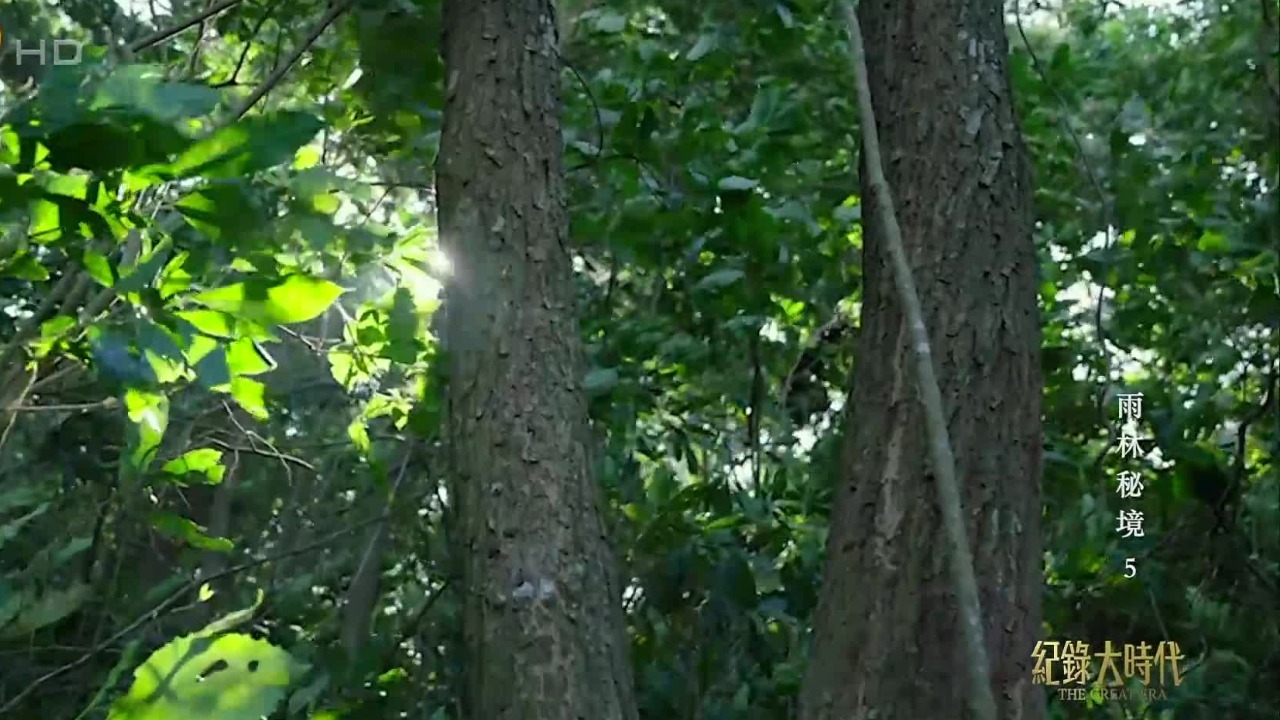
{"points": [[1079, 674]]}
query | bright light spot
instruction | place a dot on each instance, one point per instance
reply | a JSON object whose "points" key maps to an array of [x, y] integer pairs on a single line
{"points": [[352, 79], [773, 332], [439, 264]]}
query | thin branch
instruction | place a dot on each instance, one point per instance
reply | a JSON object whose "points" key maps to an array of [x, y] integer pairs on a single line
{"points": [[281, 70], [248, 45], [32, 324], [591, 98], [267, 453], [980, 698], [72, 407], [756, 403], [12, 419], [160, 36]]}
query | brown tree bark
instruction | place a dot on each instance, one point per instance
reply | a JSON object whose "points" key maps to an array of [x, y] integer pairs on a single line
{"points": [[886, 638], [545, 634]]}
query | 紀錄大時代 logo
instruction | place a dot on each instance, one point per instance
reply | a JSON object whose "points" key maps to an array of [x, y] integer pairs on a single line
{"points": [[1068, 666]]}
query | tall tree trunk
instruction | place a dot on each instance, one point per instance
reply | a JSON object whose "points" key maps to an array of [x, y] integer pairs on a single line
{"points": [[886, 640], [545, 633]]}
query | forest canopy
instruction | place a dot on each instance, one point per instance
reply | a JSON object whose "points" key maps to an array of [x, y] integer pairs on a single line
{"points": [[490, 360]]}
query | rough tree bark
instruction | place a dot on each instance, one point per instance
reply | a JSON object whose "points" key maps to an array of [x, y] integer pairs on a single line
{"points": [[886, 639], [545, 634]]}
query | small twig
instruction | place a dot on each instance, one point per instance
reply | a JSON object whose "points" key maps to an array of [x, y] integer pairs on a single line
{"points": [[160, 36], [283, 68], [13, 416], [248, 45], [32, 324], [71, 407], [59, 374], [269, 453], [591, 98], [194, 60]]}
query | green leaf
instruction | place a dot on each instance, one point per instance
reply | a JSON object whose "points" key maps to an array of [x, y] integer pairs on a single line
{"points": [[52, 332], [180, 528], [210, 322], [98, 268], [255, 143], [737, 183], [233, 620], [174, 277], [705, 44], [150, 415], [402, 328], [145, 88], [162, 350], [113, 140], [611, 22], [358, 432], [251, 396], [141, 276], [720, 279], [72, 548], [24, 266], [114, 359], [47, 609], [213, 370], [10, 530], [1214, 243], [763, 110], [600, 380], [784, 14], [229, 677], [298, 299], [228, 214], [22, 496], [206, 462], [848, 213], [246, 357]]}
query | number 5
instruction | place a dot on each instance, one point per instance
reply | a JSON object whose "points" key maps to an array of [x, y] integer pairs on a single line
{"points": [[1130, 570]]}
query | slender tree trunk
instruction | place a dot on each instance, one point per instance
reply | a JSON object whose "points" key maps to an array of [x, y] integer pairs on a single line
{"points": [[543, 622], [886, 640]]}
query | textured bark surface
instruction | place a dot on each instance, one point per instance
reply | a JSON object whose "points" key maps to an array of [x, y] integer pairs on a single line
{"points": [[886, 639], [545, 633]]}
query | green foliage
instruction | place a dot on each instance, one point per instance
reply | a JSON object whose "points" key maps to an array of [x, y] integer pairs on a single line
{"points": [[210, 674], [217, 349], [230, 677]]}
